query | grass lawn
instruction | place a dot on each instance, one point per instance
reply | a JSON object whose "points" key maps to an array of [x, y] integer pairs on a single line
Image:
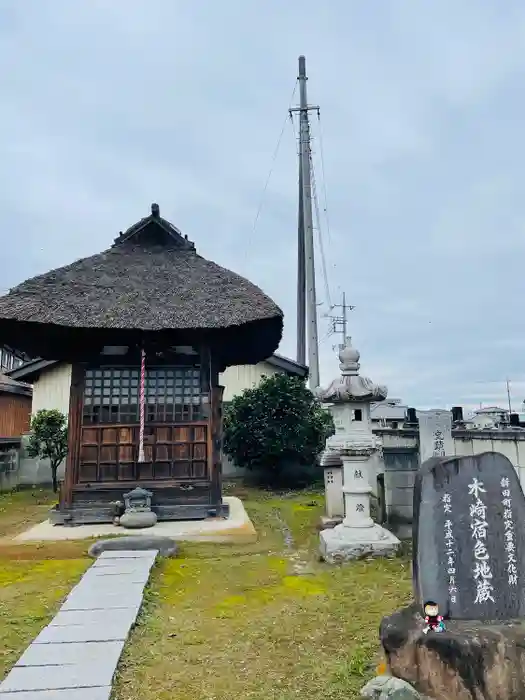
{"points": [[240, 621], [264, 620], [33, 578]]}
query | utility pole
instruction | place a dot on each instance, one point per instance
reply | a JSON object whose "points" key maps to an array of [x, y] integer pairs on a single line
{"points": [[301, 282], [339, 323], [308, 238]]}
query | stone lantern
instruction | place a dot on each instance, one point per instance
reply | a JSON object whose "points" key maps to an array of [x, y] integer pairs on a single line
{"points": [[355, 444]]}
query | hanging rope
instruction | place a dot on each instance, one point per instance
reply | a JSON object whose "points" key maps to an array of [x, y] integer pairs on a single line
{"points": [[142, 414]]}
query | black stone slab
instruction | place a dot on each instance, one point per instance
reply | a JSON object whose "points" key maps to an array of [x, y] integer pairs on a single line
{"points": [[135, 543], [472, 570]]}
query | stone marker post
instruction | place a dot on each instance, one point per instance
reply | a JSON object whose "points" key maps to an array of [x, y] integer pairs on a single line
{"points": [[351, 396], [435, 434]]}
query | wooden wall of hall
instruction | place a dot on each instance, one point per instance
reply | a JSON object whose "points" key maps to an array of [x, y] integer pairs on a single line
{"points": [[15, 415]]}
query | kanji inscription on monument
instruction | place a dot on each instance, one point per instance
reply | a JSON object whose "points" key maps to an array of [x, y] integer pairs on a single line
{"points": [[435, 434], [450, 548], [469, 537]]}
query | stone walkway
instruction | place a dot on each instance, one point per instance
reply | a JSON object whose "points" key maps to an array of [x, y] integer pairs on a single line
{"points": [[76, 655]]}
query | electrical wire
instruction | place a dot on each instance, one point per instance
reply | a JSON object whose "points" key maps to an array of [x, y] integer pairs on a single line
{"points": [[323, 175], [274, 158], [319, 234]]}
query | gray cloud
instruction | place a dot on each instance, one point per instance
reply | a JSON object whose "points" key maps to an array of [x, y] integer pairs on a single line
{"points": [[108, 106]]}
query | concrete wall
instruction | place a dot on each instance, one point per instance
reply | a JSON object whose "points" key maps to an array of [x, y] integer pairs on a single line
{"points": [[236, 379], [401, 460], [51, 390], [18, 469]]}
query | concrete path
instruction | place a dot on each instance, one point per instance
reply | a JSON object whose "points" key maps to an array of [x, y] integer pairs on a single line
{"points": [[76, 655]]}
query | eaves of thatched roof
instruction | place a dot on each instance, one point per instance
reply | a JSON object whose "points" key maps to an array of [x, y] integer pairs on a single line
{"points": [[150, 284]]}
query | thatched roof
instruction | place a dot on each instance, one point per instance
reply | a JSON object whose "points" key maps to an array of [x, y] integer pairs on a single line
{"points": [[150, 284]]}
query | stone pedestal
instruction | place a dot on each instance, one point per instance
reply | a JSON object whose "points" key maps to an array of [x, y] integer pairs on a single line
{"points": [[134, 520], [342, 543], [357, 536]]}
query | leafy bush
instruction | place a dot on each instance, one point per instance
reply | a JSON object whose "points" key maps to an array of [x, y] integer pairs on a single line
{"points": [[277, 429], [49, 439]]}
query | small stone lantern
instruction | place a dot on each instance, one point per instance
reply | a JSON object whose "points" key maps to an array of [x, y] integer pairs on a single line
{"points": [[138, 511], [354, 444]]}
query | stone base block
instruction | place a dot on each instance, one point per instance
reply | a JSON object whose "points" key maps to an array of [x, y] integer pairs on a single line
{"points": [[135, 520], [470, 660], [130, 546], [327, 522], [343, 543], [389, 688]]}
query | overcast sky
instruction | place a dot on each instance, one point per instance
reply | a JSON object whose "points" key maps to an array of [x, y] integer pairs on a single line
{"points": [[107, 106]]}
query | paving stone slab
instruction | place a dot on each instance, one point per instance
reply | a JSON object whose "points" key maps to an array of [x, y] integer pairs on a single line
{"points": [[70, 654], [87, 675], [124, 562], [115, 554], [66, 618], [100, 693], [107, 585], [119, 571], [95, 632], [97, 599], [93, 577]]}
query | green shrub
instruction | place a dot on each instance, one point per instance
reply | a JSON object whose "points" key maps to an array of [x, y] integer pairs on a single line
{"points": [[277, 430], [49, 439]]}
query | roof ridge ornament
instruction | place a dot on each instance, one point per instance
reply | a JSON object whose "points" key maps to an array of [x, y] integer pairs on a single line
{"points": [[155, 220]]}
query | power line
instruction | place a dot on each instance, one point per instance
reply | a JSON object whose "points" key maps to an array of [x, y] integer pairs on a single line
{"points": [[272, 165], [320, 236], [323, 175]]}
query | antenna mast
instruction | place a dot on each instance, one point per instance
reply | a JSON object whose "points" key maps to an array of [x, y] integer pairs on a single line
{"points": [[339, 323], [508, 397], [305, 258]]}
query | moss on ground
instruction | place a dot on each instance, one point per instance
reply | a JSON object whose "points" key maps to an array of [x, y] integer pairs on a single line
{"points": [[34, 579], [30, 595], [227, 621], [21, 509]]}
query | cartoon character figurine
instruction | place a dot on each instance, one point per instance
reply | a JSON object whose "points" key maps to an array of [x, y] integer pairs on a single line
{"points": [[433, 619]]}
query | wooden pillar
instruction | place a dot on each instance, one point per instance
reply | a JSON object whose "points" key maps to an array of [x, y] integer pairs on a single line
{"points": [[216, 441], [76, 393]]}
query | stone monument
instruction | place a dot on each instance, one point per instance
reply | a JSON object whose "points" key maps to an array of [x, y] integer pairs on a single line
{"points": [[435, 434], [469, 558], [469, 537], [354, 442], [138, 511]]}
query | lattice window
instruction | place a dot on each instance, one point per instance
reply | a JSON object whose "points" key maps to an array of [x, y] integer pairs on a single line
{"points": [[172, 395]]}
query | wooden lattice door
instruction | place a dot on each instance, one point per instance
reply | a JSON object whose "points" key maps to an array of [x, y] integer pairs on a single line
{"points": [[176, 430]]}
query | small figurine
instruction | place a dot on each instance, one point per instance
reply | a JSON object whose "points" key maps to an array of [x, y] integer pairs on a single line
{"points": [[433, 619]]}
